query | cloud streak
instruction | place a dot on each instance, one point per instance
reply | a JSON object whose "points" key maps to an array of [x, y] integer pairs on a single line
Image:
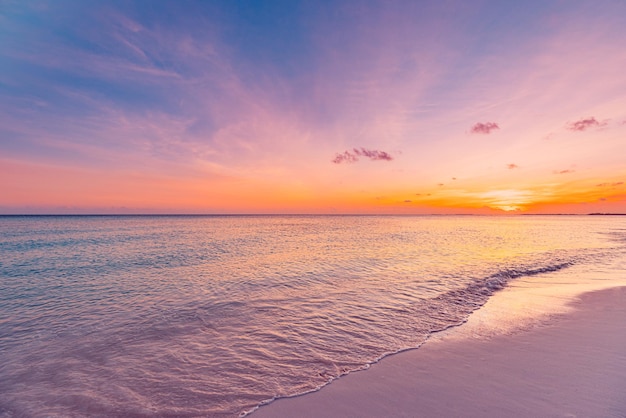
{"points": [[619, 183], [353, 156], [484, 128]]}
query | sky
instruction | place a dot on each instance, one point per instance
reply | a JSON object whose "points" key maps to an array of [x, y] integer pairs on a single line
{"points": [[250, 106]]}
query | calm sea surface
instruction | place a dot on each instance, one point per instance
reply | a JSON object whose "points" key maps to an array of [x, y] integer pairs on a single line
{"points": [[209, 316]]}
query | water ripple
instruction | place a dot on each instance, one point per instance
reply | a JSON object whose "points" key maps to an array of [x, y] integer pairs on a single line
{"points": [[209, 316]]}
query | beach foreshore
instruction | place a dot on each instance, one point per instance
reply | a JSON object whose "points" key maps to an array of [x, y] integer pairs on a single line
{"points": [[567, 363]]}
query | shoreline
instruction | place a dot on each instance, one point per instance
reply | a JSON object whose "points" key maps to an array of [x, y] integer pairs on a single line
{"points": [[566, 360]]}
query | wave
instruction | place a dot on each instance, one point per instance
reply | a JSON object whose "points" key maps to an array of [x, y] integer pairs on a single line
{"points": [[448, 310]]}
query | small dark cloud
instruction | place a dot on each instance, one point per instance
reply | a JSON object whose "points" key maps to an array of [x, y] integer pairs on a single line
{"points": [[584, 124], [345, 157], [619, 183], [408, 201], [484, 128], [564, 171], [353, 156], [440, 184], [373, 154], [512, 166], [453, 178], [602, 199]]}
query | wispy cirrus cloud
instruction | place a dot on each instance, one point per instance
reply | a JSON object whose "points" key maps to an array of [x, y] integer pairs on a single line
{"points": [[564, 171], [584, 124], [484, 128], [353, 155], [512, 166]]}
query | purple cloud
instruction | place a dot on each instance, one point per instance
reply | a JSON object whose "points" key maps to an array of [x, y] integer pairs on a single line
{"points": [[346, 157], [373, 154], [584, 124], [484, 128], [353, 156], [512, 166]]}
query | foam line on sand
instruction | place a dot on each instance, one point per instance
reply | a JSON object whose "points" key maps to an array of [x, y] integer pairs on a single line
{"points": [[570, 364]]}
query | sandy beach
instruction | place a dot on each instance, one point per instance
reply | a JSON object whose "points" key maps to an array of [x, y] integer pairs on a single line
{"points": [[568, 364]]}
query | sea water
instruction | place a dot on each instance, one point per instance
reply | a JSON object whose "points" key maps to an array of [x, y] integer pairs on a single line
{"points": [[212, 315]]}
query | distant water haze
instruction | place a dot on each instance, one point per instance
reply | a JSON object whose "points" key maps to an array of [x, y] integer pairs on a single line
{"points": [[212, 315]]}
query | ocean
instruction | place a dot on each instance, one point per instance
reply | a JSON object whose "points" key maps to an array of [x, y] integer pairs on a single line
{"points": [[188, 316]]}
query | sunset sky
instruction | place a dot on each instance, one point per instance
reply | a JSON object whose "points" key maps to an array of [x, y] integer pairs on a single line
{"points": [[312, 107]]}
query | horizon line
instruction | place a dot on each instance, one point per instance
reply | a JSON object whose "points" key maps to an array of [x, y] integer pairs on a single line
{"points": [[303, 214]]}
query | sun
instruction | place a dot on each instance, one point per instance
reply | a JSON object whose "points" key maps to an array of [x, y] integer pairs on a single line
{"points": [[508, 200]]}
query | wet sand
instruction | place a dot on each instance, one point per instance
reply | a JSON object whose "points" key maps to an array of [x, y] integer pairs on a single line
{"points": [[569, 364]]}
